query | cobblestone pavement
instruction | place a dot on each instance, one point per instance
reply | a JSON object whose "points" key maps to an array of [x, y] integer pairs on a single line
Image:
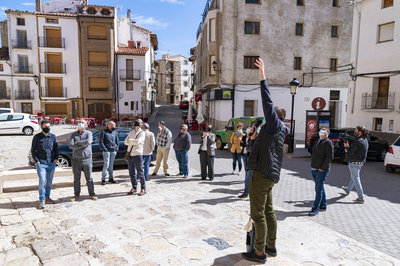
{"points": [[376, 223]]}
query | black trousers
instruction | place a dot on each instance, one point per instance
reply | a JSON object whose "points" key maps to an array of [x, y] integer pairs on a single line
{"points": [[206, 162]]}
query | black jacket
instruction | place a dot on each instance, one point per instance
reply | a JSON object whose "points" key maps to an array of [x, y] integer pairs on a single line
{"points": [[108, 140], [44, 149], [358, 150], [267, 152], [210, 144], [322, 154]]}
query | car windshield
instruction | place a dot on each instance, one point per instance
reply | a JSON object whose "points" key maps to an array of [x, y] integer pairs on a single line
{"points": [[123, 134], [397, 142]]}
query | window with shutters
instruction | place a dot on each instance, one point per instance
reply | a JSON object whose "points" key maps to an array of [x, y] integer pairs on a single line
{"points": [[249, 108], [129, 86], [97, 32], [297, 63], [334, 31], [98, 58], [56, 109], [251, 27], [299, 29], [386, 32], [335, 3], [377, 123], [21, 21], [300, 2], [387, 3], [249, 62], [98, 84]]}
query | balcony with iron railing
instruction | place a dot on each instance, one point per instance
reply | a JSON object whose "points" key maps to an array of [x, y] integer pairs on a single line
{"points": [[377, 101], [23, 69], [18, 44], [125, 74], [50, 42], [54, 68], [24, 95], [210, 5], [54, 92], [5, 94]]}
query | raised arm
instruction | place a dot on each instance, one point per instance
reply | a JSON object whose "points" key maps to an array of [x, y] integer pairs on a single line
{"points": [[272, 124]]}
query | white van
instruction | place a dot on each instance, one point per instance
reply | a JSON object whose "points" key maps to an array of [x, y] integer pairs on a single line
{"points": [[14, 123], [6, 110]]}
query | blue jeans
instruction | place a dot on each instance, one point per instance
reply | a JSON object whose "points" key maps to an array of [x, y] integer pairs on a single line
{"points": [[109, 158], [45, 172], [146, 166], [237, 157], [320, 196], [182, 157], [355, 179], [245, 159], [249, 173], [135, 165]]}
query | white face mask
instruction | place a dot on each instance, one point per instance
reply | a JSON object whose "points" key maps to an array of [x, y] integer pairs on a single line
{"points": [[258, 130], [160, 128], [248, 130], [81, 126]]}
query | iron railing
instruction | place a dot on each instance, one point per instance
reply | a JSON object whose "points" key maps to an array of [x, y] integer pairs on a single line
{"points": [[51, 42], [55, 68], [377, 101], [54, 92], [24, 95], [18, 44], [129, 74], [5, 94], [22, 69]]}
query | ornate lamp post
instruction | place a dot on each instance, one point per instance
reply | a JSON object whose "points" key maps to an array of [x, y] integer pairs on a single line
{"points": [[294, 86]]}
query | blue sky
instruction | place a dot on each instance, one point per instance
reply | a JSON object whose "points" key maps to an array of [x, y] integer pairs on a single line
{"points": [[174, 21]]}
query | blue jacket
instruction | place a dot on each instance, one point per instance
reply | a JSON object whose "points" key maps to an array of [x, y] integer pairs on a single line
{"points": [[44, 148], [108, 140]]}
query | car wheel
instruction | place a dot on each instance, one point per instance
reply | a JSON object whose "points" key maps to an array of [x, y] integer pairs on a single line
{"points": [[390, 169], [381, 156], [63, 161], [220, 144], [27, 131]]}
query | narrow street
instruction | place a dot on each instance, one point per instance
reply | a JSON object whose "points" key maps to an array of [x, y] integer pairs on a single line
{"points": [[375, 223]]}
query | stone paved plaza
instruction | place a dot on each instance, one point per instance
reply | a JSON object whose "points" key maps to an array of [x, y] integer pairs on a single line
{"points": [[178, 222]]}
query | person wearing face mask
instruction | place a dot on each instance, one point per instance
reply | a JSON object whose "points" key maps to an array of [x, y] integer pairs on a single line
{"points": [[182, 143], [236, 148], [321, 158], [109, 144], [164, 141], [45, 153], [207, 153], [135, 141], [356, 155], [148, 148], [81, 145]]}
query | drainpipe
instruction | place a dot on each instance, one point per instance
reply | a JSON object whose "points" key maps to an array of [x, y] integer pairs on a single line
{"points": [[356, 62], [235, 56], [11, 61], [116, 86]]}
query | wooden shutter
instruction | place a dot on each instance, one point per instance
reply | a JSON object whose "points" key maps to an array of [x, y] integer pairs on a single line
{"points": [[98, 84], [98, 58]]}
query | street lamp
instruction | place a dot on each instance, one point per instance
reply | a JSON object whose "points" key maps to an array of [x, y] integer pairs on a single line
{"points": [[36, 79], [214, 65], [294, 86]]}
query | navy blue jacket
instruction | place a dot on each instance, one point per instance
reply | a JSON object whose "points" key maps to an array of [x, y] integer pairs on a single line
{"points": [[108, 140], [44, 148]]}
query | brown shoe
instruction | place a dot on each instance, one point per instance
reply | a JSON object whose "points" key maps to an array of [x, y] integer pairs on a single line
{"points": [[142, 192], [74, 198], [133, 190], [94, 198]]}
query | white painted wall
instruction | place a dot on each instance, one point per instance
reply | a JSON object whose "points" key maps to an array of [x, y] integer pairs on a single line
{"points": [[70, 54], [60, 5], [30, 28], [374, 57], [5, 75], [186, 78]]}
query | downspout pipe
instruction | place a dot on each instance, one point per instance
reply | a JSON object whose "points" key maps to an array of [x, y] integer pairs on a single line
{"points": [[356, 61], [235, 56], [11, 61]]}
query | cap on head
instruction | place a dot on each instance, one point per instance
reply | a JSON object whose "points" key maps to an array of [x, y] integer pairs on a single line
{"points": [[162, 123]]}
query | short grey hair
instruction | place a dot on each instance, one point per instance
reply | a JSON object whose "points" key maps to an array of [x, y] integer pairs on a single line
{"points": [[185, 126], [111, 123], [146, 126]]}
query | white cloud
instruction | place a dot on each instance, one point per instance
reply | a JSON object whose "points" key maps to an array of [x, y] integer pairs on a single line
{"points": [[150, 22], [2, 12], [28, 4], [173, 2]]}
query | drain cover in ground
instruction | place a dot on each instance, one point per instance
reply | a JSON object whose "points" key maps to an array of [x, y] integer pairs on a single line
{"points": [[219, 243]]}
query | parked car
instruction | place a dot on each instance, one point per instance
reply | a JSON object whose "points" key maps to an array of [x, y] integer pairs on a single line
{"points": [[377, 146], [65, 153], [184, 105], [223, 136], [392, 158], [17, 123], [6, 110]]}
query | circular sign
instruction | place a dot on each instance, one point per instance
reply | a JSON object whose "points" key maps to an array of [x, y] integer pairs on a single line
{"points": [[318, 104], [311, 125]]}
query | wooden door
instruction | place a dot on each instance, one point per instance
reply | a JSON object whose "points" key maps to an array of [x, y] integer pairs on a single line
{"points": [[383, 93], [54, 63], [26, 108], [53, 38], [129, 68], [75, 108], [54, 88]]}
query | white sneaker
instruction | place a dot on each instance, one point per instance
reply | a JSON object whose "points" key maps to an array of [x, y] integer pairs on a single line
{"points": [[233, 173]]}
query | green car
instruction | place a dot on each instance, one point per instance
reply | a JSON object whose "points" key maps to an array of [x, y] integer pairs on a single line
{"points": [[224, 135]]}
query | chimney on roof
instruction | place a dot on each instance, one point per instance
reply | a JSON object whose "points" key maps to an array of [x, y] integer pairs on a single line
{"points": [[131, 44], [38, 5], [130, 24]]}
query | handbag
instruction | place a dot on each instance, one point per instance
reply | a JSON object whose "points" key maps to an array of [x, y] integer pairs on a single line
{"points": [[250, 236], [127, 156]]}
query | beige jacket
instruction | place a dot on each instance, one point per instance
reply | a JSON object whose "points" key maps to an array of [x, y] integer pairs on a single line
{"points": [[149, 143], [135, 141]]}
